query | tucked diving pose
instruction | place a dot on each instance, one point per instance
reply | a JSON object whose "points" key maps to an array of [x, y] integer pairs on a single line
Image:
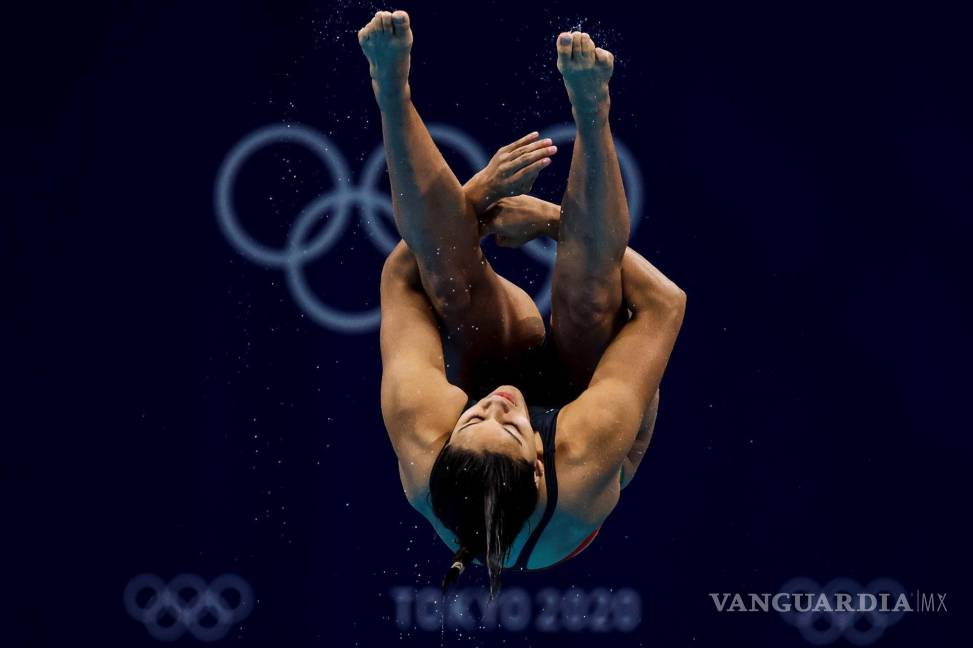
{"points": [[514, 437]]}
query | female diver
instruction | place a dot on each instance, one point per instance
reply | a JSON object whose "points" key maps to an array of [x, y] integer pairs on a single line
{"points": [[504, 483]]}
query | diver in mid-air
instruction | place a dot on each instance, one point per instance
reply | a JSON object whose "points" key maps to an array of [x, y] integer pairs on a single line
{"points": [[514, 437]]}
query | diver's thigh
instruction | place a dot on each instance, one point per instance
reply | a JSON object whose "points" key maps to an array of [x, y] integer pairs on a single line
{"points": [[525, 321], [500, 319], [508, 315]]}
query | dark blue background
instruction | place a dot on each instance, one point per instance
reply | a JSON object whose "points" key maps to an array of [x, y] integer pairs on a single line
{"points": [[807, 172]]}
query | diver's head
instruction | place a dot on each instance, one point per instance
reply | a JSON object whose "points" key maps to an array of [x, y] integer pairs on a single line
{"points": [[484, 483], [500, 423]]}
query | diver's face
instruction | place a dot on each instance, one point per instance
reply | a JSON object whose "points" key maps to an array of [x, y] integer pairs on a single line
{"points": [[499, 423]]}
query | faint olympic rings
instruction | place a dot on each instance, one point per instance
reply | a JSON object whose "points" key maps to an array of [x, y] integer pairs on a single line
{"points": [[837, 624], [371, 203], [205, 613]]}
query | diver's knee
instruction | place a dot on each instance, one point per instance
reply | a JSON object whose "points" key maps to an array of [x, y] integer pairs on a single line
{"points": [[589, 307]]}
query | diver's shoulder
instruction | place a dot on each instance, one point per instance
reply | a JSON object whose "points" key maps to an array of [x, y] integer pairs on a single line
{"points": [[588, 484], [580, 432]]}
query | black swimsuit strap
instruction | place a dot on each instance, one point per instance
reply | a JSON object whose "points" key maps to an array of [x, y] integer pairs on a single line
{"points": [[544, 420]]}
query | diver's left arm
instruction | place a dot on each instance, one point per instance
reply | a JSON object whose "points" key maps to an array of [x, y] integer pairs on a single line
{"points": [[604, 422]]}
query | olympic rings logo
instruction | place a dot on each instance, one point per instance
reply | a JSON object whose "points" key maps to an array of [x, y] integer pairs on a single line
{"points": [[859, 628], [187, 603], [371, 204]]}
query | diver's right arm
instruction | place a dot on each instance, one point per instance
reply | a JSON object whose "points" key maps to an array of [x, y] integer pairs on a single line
{"points": [[419, 405], [601, 426]]}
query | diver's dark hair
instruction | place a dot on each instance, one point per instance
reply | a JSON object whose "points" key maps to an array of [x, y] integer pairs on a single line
{"points": [[484, 498]]}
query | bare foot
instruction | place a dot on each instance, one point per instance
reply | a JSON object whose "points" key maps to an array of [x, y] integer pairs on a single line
{"points": [[387, 42], [586, 70]]}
